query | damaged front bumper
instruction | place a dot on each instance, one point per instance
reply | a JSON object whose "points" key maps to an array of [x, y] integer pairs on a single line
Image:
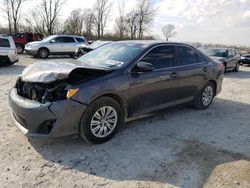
{"points": [[51, 119]]}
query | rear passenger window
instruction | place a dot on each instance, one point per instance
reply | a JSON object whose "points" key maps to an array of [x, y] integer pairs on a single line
{"points": [[161, 57], [4, 43], [187, 56], [80, 40]]}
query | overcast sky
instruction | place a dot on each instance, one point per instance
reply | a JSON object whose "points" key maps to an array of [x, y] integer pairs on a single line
{"points": [[210, 21]]}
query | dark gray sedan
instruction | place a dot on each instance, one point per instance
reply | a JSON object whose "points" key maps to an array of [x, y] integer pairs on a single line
{"points": [[227, 56], [111, 85]]}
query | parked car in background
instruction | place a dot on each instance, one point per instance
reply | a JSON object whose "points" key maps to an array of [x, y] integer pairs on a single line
{"points": [[227, 56], [56, 45], [4, 35], [112, 84], [21, 39], [97, 44], [8, 51], [245, 59]]}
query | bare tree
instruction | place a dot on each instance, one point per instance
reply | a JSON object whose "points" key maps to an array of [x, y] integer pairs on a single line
{"points": [[74, 23], [132, 21], [101, 11], [12, 10], [7, 10], [88, 23], [145, 12], [168, 31], [121, 22], [49, 12], [15, 11]]}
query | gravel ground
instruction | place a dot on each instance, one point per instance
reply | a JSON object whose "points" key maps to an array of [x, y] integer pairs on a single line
{"points": [[183, 147]]}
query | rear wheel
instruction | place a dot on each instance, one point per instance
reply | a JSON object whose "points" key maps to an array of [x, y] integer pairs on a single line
{"points": [[205, 97], [101, 120], [20, 48], [43, 53]]}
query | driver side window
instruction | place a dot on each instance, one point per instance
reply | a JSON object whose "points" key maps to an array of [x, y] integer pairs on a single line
{"points": [[57, 40], [161, 57]]}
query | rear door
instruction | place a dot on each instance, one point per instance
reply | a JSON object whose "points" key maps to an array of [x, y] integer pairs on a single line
{"points": [[157, 89], [192, 71]]}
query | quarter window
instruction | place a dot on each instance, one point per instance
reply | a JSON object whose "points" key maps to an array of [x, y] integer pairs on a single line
{"points": [[4, 43], [80, 40], [161, 57], [187, 56]]}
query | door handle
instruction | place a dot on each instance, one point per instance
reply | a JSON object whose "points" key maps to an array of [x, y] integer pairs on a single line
{"points": [[173, 75], [205, 69]]}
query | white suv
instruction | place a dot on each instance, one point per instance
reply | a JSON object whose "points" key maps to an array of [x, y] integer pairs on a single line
{"points": [[8, 51], [56, 45]]}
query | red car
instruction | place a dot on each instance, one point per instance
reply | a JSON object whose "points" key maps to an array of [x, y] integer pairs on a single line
{"points": [[21, 39]]}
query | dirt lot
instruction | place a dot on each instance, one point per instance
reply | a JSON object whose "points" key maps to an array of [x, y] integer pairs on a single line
{"points": [[183, 147]]}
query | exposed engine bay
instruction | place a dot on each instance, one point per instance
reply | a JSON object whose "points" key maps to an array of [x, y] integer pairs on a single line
{"points": [[56, 90]]}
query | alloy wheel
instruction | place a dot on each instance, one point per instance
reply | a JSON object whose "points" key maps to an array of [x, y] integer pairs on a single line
{"points": [[207, 95], [43, 53], [19, 49], [103, 121]]}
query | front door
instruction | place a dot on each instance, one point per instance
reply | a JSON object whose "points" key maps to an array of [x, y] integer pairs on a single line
{"points": [[157, 89]]}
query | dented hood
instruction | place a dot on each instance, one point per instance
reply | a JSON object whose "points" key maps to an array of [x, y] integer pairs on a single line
{"points": [[49, 71]]}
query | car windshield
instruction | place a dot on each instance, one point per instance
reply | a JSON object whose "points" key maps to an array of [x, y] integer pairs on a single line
{"points": [[112, 56], [217, 52]]}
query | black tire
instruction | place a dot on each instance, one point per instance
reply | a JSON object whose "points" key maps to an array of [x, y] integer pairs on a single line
{"points": [[236, 69], [85, 131], [20, 48], [199, 103], [43, 53]]}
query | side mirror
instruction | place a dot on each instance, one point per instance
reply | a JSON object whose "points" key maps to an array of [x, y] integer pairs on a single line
{"points": [[144, 67], [52, 41]]}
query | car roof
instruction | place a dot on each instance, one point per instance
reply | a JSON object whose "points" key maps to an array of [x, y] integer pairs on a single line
{"points": [[67, 36], [5, 37], [152, 42]]}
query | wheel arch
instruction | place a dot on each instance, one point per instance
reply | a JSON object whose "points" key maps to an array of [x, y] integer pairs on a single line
{"points": [[43, 47]]}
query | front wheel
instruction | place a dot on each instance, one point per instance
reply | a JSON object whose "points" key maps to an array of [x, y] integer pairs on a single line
{"points": [[101, 120], [205, 97], [43, 53]]}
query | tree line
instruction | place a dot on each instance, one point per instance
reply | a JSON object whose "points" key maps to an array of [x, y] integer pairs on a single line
{"points": [[92, 22]]}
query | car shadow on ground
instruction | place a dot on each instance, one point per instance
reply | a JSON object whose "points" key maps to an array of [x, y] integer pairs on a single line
{"points": [[11, 70], [52, 57], [180, 146], [241, 74]]}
